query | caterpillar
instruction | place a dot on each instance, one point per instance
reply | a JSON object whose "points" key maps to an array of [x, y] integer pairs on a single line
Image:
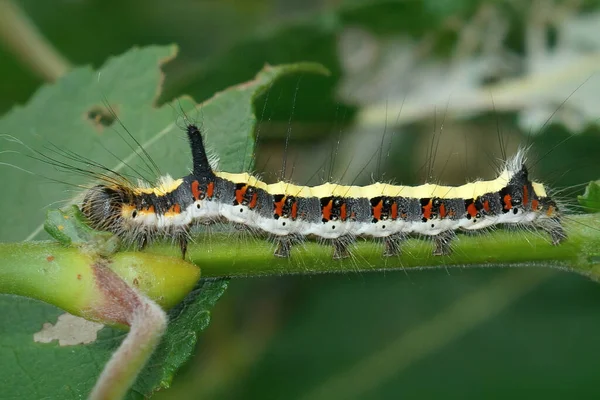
{"points": [[331, 212]]}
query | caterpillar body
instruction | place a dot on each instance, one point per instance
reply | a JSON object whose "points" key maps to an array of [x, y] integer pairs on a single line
{"points": [[332, 212]]}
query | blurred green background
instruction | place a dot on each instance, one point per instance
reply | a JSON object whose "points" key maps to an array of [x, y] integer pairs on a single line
{"points": [[443, 80]]}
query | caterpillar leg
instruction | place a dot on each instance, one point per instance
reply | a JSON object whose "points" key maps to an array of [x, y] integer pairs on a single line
{"points": [[240, 227], [393, 245], [340, 248], [442, 243], [182, 240], [558, 235], [284, 246], [142, 241], [555, 230]]}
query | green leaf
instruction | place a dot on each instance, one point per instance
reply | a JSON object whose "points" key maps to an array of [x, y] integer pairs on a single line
{"points": [[590, 200], [46, 370], [56, 119], [70, 116], [69, 228]]}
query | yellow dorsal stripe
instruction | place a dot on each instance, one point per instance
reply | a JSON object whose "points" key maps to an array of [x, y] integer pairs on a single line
{"points": [[161, 189], [466, 191]]}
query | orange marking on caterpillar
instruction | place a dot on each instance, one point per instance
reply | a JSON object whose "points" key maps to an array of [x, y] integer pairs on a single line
{"points": [[147, 210], [377, 210], [472, 210], [294, 210], [127, 210], [278, 206], [442, 210], [176, 208], [427, 210], [525, 195], [253, 200], [507, 202], [239, 194], [196, 190], [550, 211], [210, 189], [394, 211], [535, 205], [343, 212], [326, 210], [486, 205]]}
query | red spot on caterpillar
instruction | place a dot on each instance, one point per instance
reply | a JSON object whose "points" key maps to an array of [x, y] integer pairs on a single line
{"points": [[50, 258], [326, 211], [253, 201], [278, 206], [535, 204], [176, 208], [486, 205], [294, 210], [240, 193], [210, 189], [525, 195], [472, 210], [343, 212], [442, 210], [507, 202], [427, 210], [196, 190], [394, 211], [377, 210]]}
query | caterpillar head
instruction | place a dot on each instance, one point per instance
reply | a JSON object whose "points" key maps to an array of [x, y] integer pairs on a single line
{"points": [[102, 206]]}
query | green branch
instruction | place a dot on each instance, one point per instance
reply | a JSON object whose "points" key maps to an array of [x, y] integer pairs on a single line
{"points": [[64, 276], [43, 270], [224, 255], [27, 43]]}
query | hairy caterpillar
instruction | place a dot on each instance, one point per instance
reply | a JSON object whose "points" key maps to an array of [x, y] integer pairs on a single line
{"points": [[329, 211]]}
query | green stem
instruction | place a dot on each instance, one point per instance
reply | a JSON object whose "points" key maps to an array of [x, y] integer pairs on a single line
{"points": [[223, 255], [66, 276], [25, 269], [21, 36]]}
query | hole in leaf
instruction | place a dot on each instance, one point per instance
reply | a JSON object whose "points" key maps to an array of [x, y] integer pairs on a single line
{"points": [[101, 116]]}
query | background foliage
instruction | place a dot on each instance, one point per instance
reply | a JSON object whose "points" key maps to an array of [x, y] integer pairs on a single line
{"points": [[408, 67]]}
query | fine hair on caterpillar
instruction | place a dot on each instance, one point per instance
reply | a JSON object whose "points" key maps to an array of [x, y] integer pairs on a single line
{"points": [[330, 212]]}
